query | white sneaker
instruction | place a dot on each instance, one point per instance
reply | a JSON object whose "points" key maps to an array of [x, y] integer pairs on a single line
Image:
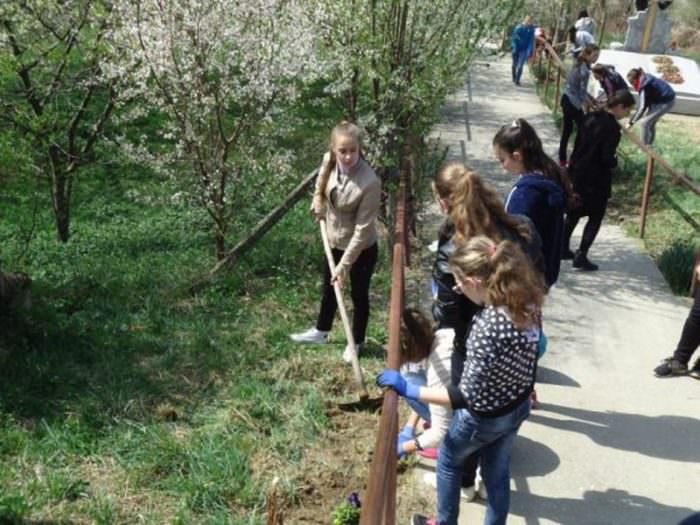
{"points": [[467, 494], [348, 353], [481, 486], [433, 247], [311, 336]]}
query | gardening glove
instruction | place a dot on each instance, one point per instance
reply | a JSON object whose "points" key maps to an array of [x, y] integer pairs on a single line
{"points": [[393, 379], [407, 434]]}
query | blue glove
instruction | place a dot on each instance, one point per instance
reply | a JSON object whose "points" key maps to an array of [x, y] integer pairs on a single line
{"points": [[391, 378], [407, 434]]}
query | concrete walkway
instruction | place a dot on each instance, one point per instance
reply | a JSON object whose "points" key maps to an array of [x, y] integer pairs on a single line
{"points": [[611, 444]]}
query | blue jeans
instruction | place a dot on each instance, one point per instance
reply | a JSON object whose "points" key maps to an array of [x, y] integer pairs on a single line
{"points": [[519, 59], [493, 437], [419, 407]]}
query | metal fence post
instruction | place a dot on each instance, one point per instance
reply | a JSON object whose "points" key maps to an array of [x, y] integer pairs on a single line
{"points": [[645, 195]]}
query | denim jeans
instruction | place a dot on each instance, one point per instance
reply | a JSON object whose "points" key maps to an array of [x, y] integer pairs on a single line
{"points": [[519, 59], [419, 407], [493, 438], [649, 121]]}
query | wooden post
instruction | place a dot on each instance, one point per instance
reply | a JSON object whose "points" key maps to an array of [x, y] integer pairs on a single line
{"points": [[645, 195], [546, 80], [649, 26], [556, 96]]}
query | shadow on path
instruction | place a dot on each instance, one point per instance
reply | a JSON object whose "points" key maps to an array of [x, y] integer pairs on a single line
{"points": [[666, 437]]}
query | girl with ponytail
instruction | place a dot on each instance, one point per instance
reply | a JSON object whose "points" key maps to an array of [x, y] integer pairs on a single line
{"points": [[492, 398]]}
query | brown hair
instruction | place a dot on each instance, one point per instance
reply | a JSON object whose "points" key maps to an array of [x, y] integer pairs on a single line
{"points": [[475, 207], [507, 275], [416, 336], [634, 73], [587, 52], [344, 127]]}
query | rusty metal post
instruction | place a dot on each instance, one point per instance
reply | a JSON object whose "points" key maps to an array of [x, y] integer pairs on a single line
{"points": [[380, 496], [645, 195]]}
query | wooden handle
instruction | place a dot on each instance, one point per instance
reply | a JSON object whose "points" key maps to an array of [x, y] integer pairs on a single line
{"points": [[344, 314]]}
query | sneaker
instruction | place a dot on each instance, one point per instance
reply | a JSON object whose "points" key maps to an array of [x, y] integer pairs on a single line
{"points": [[419, 519], [481, 486], [466, 493], [567, 254], [433, 247], [671, 367], [310, 336], [429, 453], [348, 353], [695, 371], [582, 263]]}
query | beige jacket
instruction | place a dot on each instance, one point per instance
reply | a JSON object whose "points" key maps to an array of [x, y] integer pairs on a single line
{"points": [[351, 222]]}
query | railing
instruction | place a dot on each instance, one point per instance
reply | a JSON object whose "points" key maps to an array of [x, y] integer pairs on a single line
{"points": [[379, 507], [653, 157]]}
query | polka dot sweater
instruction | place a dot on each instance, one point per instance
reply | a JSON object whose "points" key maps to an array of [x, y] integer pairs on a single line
{"points": [[500, 370]]}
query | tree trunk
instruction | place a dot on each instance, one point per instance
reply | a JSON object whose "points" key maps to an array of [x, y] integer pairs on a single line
{"points": [[60, 196]]}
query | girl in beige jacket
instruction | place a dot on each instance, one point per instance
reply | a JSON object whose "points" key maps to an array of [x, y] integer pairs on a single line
{"points": [[347, 195]]}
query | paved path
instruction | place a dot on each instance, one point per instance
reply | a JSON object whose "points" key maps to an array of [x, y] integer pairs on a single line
{"points": [[611, 443]]}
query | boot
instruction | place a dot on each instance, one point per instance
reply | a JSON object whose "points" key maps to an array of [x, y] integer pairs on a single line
{"points": [[582, 263]]}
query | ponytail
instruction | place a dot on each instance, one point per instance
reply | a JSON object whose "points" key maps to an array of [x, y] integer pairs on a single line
{"points": [[508, 277], [475, 207]]}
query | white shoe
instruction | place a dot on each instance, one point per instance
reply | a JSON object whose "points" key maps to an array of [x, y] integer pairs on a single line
{"points": [[311, 336], [348, 353], [467, 494], [433, 246], [481, 487]]}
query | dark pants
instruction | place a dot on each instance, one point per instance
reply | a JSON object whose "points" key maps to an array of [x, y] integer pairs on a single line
{"points": [[690, 337], [595, 211], [457, 360], [570, 114], [360, 275]]}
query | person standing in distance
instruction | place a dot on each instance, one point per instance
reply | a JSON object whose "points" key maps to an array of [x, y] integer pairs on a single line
{"points": [[522, 46]]}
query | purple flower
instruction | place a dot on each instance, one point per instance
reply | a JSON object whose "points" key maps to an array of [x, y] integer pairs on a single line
{"points": [[354, 500]]}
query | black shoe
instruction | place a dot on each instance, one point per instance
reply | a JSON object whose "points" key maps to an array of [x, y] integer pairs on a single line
{"points": [[695, 371], [567, 254], [582, 263], [672, 367]]}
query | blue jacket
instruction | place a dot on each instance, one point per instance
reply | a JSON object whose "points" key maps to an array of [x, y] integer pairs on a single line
{"points": [[652, 91], [523, 39], [544, 202]]}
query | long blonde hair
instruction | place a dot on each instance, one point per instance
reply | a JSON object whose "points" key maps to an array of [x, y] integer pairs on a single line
{"points": [[507, 275], [344, 127], [474, 207]]}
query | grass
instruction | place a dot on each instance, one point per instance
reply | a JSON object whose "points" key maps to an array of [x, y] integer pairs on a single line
{"points": [[126, 400], [669, 237]]}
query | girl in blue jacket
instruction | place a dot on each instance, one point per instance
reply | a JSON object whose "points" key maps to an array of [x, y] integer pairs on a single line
{"points": [[656, 97], [539, 192]]}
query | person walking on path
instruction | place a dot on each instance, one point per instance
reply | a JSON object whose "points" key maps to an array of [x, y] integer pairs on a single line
{"points": [[677, 364], [539, 190], [492, 400], [585, 23], [347, 195], [656, 98], [576, 97], [592, 162], [522, 46]]}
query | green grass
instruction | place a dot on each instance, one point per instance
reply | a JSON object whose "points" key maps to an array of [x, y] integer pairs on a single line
{"points": [[125, 399]]}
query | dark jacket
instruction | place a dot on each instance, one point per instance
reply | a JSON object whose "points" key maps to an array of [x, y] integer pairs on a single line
{"points": [[455, 310], [594, 159], [652, 91], [612, 81], [544, 202]]}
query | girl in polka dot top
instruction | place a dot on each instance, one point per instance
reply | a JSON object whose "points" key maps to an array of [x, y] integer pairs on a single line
{"points": [[491, 401]]}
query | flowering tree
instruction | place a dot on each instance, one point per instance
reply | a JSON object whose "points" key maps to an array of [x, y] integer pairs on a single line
{"points": [[53, 90], [394, 62], [218, 70]]}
